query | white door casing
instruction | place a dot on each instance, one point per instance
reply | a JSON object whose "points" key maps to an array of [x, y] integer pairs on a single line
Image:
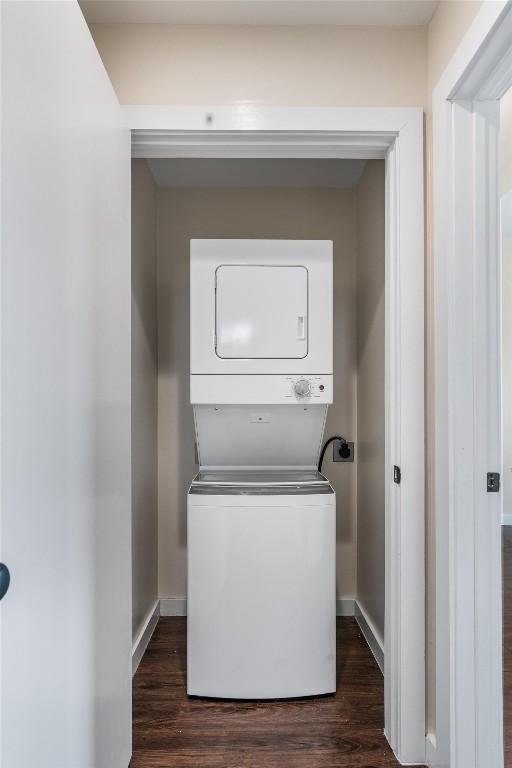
{"points": [[65, 659], [397, 136], [469, 698]]}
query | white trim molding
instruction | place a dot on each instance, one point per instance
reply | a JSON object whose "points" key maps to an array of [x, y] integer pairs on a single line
{"points": [[173, 606], [345, 606], [469, 698], [155, 144], [141, 642], [177, 606], [370, 634], [431, 751], [397, 136], [178, 125]]}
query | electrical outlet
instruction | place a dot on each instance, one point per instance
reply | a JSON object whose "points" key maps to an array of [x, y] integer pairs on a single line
{"points": [[336, 447]]}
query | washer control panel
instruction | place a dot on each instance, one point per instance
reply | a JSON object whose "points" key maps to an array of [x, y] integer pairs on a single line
{"points": [[298, 389], [310, 388], [302, 388]]}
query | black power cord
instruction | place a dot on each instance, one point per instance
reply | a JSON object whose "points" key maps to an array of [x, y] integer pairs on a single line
{"points": [[344, 449]]}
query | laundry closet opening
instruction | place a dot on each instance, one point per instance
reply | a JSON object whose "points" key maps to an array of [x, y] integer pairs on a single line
{"points": [[175, 201]]}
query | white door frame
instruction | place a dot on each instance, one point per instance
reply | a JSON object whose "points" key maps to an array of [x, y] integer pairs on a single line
{"points": [[397, 136], [469, 698]]}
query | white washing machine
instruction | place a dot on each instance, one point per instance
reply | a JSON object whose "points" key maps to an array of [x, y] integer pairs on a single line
{"points": [[261, 518], [261, 585]]}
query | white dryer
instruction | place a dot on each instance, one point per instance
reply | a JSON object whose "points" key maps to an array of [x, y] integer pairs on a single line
{"points": [[261, 519]]}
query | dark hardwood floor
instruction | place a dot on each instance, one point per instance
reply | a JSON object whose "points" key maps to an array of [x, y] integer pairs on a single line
{"points": [[507, 643], [172, 731]]}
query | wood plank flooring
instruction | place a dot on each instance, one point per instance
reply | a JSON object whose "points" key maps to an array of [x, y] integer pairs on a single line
{"points": [[344, 730], [507, 643]]}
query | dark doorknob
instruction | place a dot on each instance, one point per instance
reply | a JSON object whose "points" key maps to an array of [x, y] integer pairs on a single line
{"points": [[5, 580]]}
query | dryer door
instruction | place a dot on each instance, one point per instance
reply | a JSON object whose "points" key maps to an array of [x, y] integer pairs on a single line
{"points": [[261, 312]]}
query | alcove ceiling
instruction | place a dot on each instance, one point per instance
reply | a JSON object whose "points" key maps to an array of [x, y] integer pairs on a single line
{"points": [[380, 13], [261, 172]]}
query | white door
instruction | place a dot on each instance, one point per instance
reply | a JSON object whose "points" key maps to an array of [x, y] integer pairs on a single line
{"points": [[65, 398], [261, 312]]}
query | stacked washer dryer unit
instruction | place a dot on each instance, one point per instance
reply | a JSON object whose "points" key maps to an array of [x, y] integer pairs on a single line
{"points": [[261, 518]]}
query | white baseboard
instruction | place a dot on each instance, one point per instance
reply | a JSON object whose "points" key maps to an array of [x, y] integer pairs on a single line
{"points": [[506, 519], [173, 606], [370, 634], [345, 606], [431, 750], [141, 641], [177, 606]]}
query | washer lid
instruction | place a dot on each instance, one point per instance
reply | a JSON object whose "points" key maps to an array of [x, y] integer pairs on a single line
{"points": [[259, 437], [268, 478]]}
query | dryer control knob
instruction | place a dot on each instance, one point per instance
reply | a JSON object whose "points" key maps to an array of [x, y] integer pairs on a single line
{"points": [[302, 388]]}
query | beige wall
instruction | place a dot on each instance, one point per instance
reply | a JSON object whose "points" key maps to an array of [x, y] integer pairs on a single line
{"points": [[506, 346], [322, 66], [505, 165], [447, 28], [370, 214], [144, 395], [279, 213], [505, 148]]}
